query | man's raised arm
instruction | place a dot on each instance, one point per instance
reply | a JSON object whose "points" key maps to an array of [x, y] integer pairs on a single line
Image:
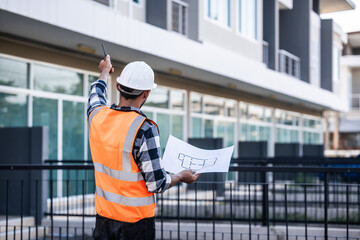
{"points": [[98, 91]]}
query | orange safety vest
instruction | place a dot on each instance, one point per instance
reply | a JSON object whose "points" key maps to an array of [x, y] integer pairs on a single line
{"points": [[121, 193]]}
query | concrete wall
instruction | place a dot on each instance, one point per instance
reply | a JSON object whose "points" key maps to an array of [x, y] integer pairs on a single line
{"points": [[295, 34], [326, 54]]}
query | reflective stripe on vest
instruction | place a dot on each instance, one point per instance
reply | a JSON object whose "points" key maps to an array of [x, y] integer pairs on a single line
{"points": [[122, 176], [128, 201], [121, 193]]}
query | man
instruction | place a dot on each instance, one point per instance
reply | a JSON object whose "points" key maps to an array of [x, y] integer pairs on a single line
{"points": [[125, 148]]}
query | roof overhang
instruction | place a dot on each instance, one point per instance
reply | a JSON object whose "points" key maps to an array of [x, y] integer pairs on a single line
{"points": [[330, 6]]}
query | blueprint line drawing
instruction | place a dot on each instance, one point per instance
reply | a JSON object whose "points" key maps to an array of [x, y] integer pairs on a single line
{"points": [[192, 163]]}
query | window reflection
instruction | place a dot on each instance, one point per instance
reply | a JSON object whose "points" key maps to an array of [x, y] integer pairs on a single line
{"points": [[230, 108], [73, 130], [177, 100], [158, 98], [214, 105], [196, 103], [57, 80], [177, 126], [13, 73], [13, 110], [45, 113], [196, 127]]}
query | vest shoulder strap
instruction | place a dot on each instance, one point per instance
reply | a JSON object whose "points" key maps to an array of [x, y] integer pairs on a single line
{"points": [[94, 112]]}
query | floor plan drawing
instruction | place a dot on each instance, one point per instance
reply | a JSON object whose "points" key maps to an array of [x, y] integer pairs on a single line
{"points": [[192, 163]]}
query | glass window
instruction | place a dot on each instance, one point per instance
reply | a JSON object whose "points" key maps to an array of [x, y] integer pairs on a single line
{"points": [[196, 103], [13, 73], [158, 98], [268, 115], [243, 111], [219, 10], [225, 130], [196, 127], [209, 128], [177, 126], [57, 80], [177, 100], [214, 105], [73, 130], [243, 132], [247, 16], [264, 133], [255, 113], [230, 108], [13, 110], [230, 134], [336, 63], [45, 113], [179, 15], [163, 124]]}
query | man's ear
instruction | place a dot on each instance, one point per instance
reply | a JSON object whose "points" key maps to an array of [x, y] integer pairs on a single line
{"points": [[146, 94]]}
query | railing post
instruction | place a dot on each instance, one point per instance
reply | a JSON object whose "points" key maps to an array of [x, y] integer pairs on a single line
{"points": [[51, 206], [265, 200], [83, 209], [249, 202], [286, 214], [162, 216], [214, 210], [7, 210], [196, 217], [178, 211], [347, 211], [326, 198], [305, 199]]}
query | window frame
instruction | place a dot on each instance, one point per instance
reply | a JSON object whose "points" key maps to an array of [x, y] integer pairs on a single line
{"points": [[185, 5], [229, 23], [240, 19]]}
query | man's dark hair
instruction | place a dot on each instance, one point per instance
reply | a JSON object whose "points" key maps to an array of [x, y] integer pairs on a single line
{"points": [[129, 93]]}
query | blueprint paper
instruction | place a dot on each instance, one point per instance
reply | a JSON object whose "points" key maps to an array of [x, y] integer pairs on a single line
{"points": [[180, 156]]}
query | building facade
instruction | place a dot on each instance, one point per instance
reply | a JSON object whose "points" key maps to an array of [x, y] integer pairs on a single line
{"points": [[345, 127], [242, 70]]}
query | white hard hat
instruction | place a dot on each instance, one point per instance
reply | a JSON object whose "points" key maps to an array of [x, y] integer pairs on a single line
{"points": [[137, 75]]}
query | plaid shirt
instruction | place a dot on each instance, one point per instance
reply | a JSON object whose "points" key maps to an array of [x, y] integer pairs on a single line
{"points": [[146, 149]]}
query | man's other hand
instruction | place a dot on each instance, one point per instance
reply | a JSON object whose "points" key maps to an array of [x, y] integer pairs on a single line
{"points": [[187, 176]]}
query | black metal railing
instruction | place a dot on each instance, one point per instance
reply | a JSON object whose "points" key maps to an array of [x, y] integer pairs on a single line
{"points": [[320, 204]]}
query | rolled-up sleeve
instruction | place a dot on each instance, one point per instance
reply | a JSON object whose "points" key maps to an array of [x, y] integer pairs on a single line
{"points": [[148, 158]]}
